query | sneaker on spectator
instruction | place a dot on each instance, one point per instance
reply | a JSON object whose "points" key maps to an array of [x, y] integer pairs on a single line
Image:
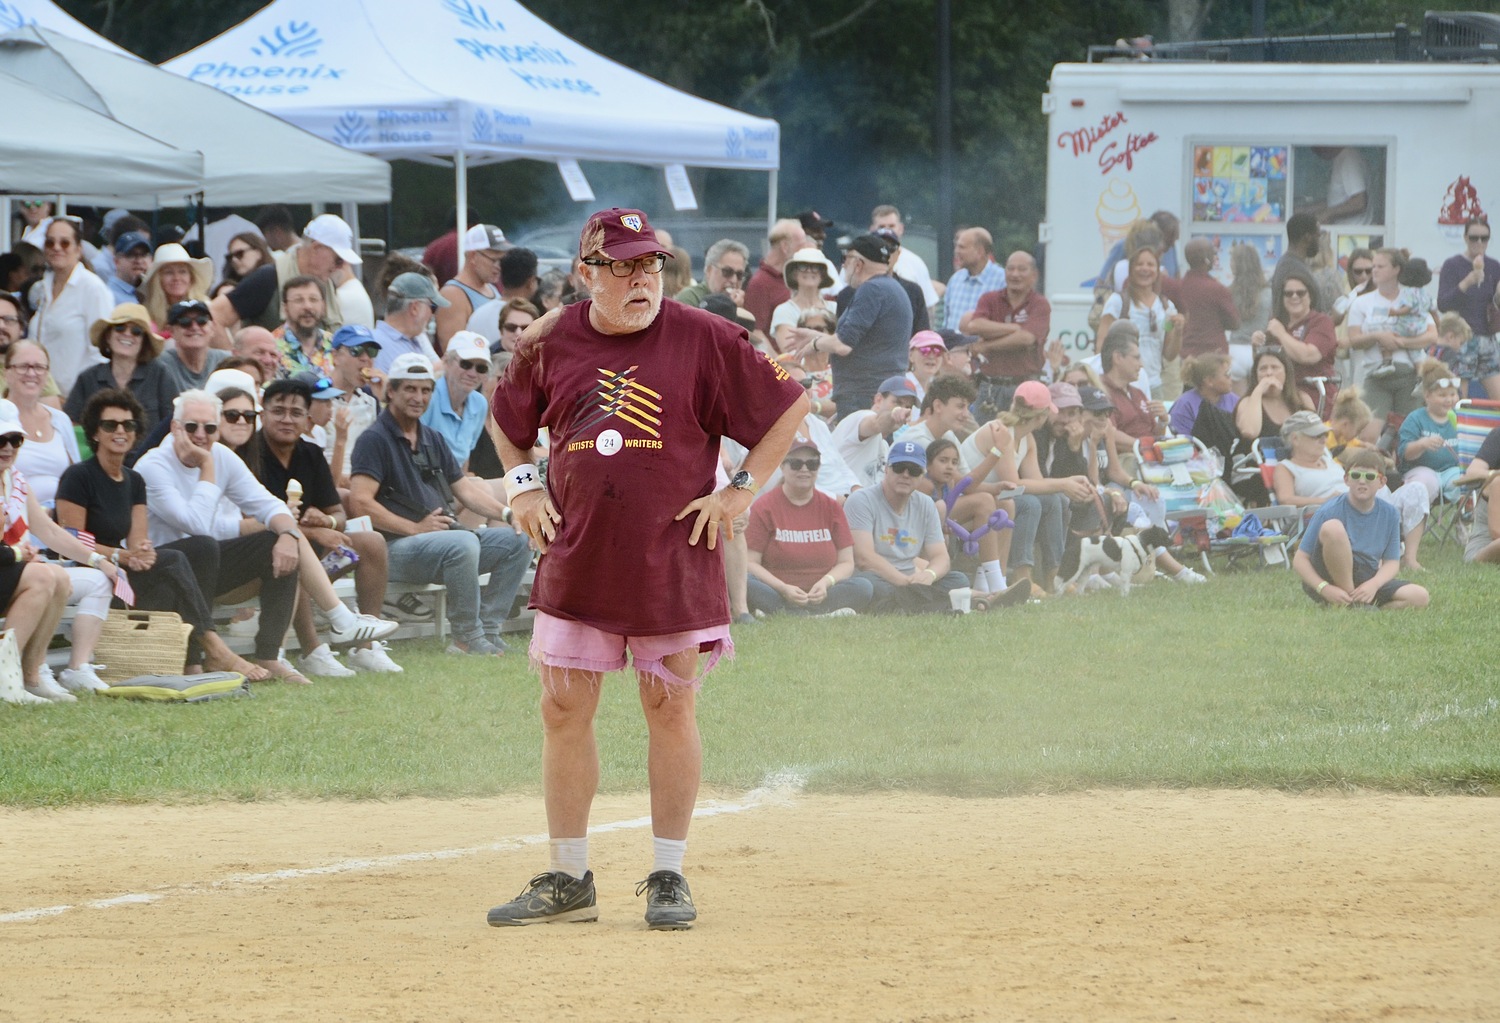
{"points": [[48, 689], [1187, 575], [45, 673], [409, 608], [246, 627], [838, 612], [321, 661], [551, 898], [83, 679], [494, 637], [669, 904], [372, 658], [364, 629], [478, 645]]}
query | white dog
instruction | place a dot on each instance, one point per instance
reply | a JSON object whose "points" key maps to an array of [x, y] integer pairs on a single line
{"points": [[1117, 560]]}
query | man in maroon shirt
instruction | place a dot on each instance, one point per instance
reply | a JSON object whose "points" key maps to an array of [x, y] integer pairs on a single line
{"points": [[1012, 326], [1207, 304], [635, 394], [766, 289], [1136, 416]]}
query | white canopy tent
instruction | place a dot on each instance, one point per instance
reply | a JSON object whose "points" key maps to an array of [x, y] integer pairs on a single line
{"points": [[70, 149], [248, 156], [470, 82]]}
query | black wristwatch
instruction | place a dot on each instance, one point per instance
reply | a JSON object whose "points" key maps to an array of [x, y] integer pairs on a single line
{"points": [[742, 480]]}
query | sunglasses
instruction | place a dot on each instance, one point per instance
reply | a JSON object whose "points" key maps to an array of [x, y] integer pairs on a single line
{"points": [[1294, 293], [1267, 350], [473, 366], [193, 321], [798, 464], [368, 351], [907, 469], [32, 204], [1478, 237], [239, 253], [125, 328], [13, 440], [234, 415], [931, 350], [513, 328], [733, 275], [1442, 382], [208, 429], [1360, 271], [116, 425], [1363, 475]]}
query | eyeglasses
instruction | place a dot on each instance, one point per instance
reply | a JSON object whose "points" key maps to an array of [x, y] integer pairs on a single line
{"points": [[1441, 382], [1363, 475], [1294, 293], [236, 416], [514, 328], [652, 264], [931, 350], [29, 368], [116, 425], [280, 412], [907, 469], [207, 429], [473, 366], [240, 253], [730, 272], [13, 440], [1481, 238], [369, 351], [126, 328], [192, 321], [798, 464]]}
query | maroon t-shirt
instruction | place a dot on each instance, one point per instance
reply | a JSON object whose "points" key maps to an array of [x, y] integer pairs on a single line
{"points": [[1132, 415], [798, 545], [1034, 316], [765, 291], [1210, 311], [1317, 330], [635, 421]]}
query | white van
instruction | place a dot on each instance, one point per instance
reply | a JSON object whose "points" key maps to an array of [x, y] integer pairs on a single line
{"points": [[1235, 149]]}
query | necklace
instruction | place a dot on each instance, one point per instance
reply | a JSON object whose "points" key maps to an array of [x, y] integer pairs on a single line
{"points": [[36, 430]]}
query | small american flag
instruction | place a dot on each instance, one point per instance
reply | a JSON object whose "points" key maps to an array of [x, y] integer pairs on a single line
{"points": [[84, 537], [123, 589]]}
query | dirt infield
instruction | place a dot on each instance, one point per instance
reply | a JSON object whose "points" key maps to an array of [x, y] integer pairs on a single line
{"points": [[1098, 906]]}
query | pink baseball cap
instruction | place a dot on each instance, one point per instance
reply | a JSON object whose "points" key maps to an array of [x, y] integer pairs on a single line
{"points": [[1035, 394], [619, 234], [1064, 395], [928, 339]]}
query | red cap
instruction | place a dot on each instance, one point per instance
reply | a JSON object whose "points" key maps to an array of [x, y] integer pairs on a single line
{"points": [[619, 234]]}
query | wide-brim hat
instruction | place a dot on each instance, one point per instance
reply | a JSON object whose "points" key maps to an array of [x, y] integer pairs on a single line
{"points": [[808, 257], [131, 313], [166, 255]]}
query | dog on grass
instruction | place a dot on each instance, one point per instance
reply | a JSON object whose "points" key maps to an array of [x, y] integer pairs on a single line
{"points": [[1115, 559]]}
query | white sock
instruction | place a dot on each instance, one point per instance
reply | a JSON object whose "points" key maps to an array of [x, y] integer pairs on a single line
{"points": [[994, 576], [340, 617], [669, 853], [570, 856]]}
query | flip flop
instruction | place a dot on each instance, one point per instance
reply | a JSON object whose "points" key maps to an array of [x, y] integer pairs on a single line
{"points": [[281, 671]]}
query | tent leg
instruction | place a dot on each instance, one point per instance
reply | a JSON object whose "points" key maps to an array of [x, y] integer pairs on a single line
{"points": [[351, 217], [771, 203], [461, 192]]}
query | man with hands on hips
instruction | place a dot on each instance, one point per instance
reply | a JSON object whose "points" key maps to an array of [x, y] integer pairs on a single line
{"points": [[635, 394]]}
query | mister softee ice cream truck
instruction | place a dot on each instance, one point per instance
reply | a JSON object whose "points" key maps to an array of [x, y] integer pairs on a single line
{"points": [[1234, 150]]}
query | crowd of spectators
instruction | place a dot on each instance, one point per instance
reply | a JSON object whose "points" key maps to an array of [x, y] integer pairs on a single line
{"points": [[182, 429]]}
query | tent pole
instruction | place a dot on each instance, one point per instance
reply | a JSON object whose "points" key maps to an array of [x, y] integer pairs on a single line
{"points": [[461, 189], [771, 203]]}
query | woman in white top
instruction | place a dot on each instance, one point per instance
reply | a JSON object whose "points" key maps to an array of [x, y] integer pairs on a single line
{"points": [[808, 273], [68, 299], [1372, 333], [51, 442], [1159, 322]]}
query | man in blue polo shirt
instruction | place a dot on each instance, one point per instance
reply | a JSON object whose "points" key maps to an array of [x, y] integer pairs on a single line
{"points": [[458, 409], [410, 303], [404, 477]]}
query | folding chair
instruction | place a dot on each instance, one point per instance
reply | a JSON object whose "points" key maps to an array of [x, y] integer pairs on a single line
{"points": [[1449, 520]]}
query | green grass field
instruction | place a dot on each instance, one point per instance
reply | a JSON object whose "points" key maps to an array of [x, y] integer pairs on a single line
{"points": [[1241, 682]]}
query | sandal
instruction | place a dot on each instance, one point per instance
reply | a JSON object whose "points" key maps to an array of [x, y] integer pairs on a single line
{"points": [[281, 671]]}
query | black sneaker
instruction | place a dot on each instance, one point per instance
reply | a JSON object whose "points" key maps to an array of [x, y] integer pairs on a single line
{"points": [[551, 898], [669, 904]]}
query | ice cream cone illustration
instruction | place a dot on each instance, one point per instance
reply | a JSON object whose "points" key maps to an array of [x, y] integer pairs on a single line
{"points": [[1118, 208]]}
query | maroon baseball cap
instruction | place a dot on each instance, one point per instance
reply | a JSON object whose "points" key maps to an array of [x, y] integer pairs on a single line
{"points": [[619, 234]]}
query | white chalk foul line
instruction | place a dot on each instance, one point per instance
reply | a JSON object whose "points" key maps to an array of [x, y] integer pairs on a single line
{"points": [[779, 789]]}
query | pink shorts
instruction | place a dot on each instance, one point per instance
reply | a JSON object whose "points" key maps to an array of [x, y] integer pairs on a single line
{"points": [[560, 643]]}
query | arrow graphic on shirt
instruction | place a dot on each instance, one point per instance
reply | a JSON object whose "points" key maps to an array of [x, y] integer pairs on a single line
{"points": [[623, 398]]}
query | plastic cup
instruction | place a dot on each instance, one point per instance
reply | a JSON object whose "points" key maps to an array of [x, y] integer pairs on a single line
{"points": [[960, 599]]}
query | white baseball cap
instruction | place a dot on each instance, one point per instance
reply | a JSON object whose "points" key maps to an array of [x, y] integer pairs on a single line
{"points": [[327, 229], [221, 380], [485, 236], [465, 344], [10, 417], [411, 366]]}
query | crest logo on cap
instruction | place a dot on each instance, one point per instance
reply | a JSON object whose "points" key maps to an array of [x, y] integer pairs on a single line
{"points": [[631, 221]]}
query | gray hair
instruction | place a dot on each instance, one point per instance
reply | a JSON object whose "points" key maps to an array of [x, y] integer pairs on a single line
{"points": [[717, 249], [198, 397]]}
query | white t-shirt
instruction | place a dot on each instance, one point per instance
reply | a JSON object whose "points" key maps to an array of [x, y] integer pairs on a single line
{"points": [[62, 326], [1152, 322], [835, 478], [1347, 179], [786, 315], [485, 321], [355, 302], [865, 457], [44, 464], [1371, 313]]}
